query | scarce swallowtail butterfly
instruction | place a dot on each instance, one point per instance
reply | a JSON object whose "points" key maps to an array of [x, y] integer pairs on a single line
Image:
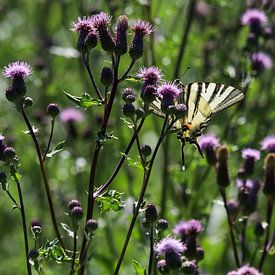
{"points": [[202, 99]]}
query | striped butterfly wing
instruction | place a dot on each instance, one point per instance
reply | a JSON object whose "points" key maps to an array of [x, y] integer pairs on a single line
{"points": [[203, 99]]}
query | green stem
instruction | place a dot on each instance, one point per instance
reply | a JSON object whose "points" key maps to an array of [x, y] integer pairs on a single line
{"points": [[151, 258], [146, 176], [44, 175], [231, 232], [269, 210], [50, 140], [24, 223]]}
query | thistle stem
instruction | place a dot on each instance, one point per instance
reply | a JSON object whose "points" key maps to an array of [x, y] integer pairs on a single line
{"points": [[94, 162], [44, 175], [146, 176], [86, 63], [74, 252], [127, 71], [231, 232], [24, 223], [269, 211], [151, 258], [103, 188], [50, 140]]}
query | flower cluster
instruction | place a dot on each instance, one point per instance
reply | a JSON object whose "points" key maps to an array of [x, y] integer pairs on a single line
{"points": [[94, 28], [257, 22]]}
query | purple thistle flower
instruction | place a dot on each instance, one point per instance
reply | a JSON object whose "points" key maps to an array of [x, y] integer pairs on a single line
{"points": [[101, 20], [82, 24], [245, 270], [249, 153], [261, 61], [142, 27], [71, 115], [168, 90], [209, 141], [268, 144], [150, 75], [17, 69], [184, 228], [169, 245], [253, 16], [248, 183]]}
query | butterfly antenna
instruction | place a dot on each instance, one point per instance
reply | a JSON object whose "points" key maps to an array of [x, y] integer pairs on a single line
{"points": [[188, 68]]}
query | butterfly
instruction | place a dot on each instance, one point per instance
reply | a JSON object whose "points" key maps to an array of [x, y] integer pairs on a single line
{"points": [[202, 100]]}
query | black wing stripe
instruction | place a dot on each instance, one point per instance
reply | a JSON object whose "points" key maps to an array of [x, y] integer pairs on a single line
{"points": [[198, 97], [214, 93]]}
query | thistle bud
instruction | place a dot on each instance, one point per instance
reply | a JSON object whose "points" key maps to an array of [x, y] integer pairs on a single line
{"points": [[53, 110], [73, 203], [151, 214], [28, 102], [162, 225], [12, 95], [149, 93], [81, 42], [189, 267], [269, 177], [162, 267], [9, 154], [121, 35], [128, 95], [91, 40], [146, 150], [222, 167], [129, 110], [106, 77], [77, 213], [91, 225], [36, 228]]}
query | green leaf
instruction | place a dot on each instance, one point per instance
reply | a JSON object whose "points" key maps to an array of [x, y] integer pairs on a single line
{"points": [[53, 251], [84, 101], [58, 148], [132, 162], [138, 268], [74, 99], [110, 200], [87, 101], [133, 79]]}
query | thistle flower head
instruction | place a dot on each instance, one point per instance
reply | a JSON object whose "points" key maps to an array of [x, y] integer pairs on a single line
{"points": [[253, 16], [70, 115], [169, 245], [245, 270], [82, 24], [249, 153], [209, 141], [142, 27], [151, 74], [101, 20], [17, 69], [268, 144], [168, 90], [248, 183], [184, 228], [261, 61]]}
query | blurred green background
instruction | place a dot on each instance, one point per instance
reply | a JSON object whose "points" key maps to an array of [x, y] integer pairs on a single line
{"points": [[38, 33]]}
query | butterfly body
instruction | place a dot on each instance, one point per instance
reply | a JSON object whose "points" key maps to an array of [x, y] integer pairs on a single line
{"points": [[202, 99]]}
